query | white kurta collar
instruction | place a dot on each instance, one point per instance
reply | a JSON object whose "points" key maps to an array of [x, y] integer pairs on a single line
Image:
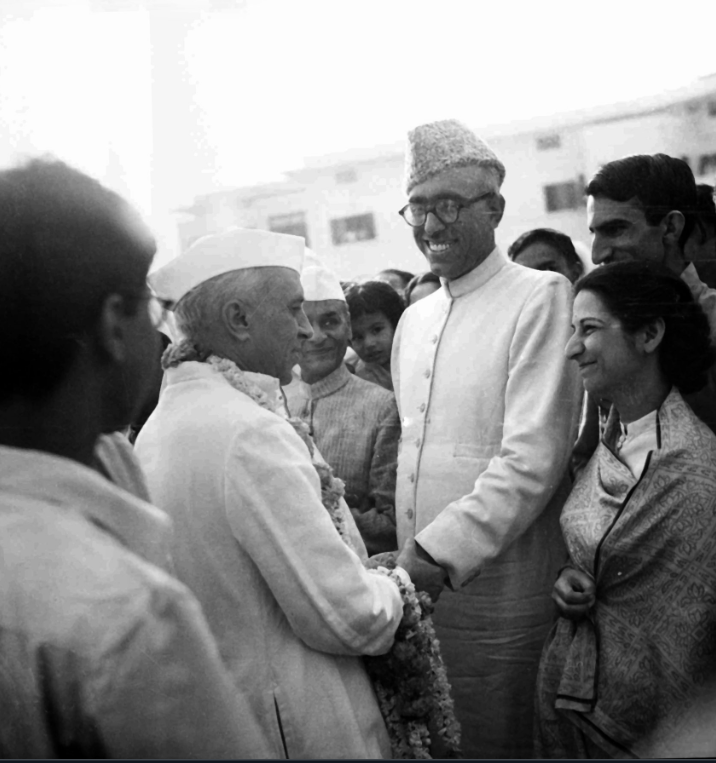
{"points": [[193, 369], [477, 277]]}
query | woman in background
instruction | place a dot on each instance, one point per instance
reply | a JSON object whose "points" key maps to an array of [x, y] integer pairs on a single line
{"points": [[636, 634]]}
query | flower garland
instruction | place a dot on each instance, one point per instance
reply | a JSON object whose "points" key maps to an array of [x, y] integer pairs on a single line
{"points": [[332, 488], [410, 681]]}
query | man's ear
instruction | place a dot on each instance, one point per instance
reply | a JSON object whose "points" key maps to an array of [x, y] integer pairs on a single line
{"points": [[497, 205], [111, 333], [673, 226], [236, 316], [653, 334]]}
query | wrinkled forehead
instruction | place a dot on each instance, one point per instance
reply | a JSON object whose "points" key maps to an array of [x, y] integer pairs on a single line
{"points": [[325, 308], [458, 181]]}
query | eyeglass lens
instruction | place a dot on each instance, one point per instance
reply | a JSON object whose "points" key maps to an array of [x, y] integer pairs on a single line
{"points": [[445, 209]]}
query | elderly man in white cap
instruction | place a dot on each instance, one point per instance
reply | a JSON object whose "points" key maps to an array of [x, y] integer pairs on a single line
{"points": [[290, 604], [354, 423], [489, 408]]}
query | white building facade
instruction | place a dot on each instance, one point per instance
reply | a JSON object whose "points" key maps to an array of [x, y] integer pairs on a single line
{"points": [[346, 205]]}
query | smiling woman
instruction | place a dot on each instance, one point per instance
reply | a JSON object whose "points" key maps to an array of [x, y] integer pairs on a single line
{"points": [[645, 505], [637, 333]]}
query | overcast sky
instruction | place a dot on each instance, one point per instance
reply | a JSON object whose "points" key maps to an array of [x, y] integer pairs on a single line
{"points": [[164, 99]]}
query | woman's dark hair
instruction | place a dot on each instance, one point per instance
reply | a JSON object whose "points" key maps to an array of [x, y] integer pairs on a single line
{"points": [[637, 293], [428, 277], [374, 297], [561, 242]]}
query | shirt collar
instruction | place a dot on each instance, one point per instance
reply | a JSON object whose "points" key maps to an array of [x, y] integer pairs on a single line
{"points": [[640, 426], [331, 383], [71, 486], [193, 369], [477, 277]]}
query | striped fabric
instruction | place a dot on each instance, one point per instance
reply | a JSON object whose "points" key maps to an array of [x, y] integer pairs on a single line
{"points": [[356, 427]]}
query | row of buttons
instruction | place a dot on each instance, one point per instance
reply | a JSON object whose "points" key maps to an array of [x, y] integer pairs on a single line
{"points": [[423, 406]]}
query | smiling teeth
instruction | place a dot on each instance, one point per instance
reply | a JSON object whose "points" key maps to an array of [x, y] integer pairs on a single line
{"points": [[437, 247]]}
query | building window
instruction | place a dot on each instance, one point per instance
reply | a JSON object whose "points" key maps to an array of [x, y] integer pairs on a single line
{"points": [[294, 223], [707, 164], [548, 142], [347, 230], [561, 196], [346, 176]]}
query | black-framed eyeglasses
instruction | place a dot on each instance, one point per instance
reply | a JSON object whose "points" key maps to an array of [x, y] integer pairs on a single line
{"points": [[446, 210]]}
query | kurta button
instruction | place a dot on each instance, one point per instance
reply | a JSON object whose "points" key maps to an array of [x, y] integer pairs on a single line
{"points": [[422, 407], [417, 443], [434, 339], [409, 513], [427, 373], [412, 478]]}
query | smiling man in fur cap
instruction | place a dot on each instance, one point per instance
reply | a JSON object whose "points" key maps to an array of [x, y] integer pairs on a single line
{"points": [[489, 408]]}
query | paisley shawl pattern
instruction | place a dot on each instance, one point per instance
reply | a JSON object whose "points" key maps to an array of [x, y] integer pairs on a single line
{"points": [[633, 667]]}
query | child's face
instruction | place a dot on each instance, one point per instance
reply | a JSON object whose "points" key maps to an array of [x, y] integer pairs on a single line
{"points": [[373, 338]]}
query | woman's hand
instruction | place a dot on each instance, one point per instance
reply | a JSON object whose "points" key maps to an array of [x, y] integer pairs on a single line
{"points": [[574, 593]]}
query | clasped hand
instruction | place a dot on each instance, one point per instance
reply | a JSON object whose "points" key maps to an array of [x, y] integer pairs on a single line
{"points": [[574, 593], [424, 575]]}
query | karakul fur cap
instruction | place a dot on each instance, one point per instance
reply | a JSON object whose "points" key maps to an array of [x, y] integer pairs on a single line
{"points": [[445, 145]]}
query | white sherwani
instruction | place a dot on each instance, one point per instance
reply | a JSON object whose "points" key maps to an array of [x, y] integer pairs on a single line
{"points": [[290, 604], [489, 409]]}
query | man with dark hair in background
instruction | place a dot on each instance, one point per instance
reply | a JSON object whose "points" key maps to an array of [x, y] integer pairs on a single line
{"points": [[102, 652], [547, 249], [700, 249]]}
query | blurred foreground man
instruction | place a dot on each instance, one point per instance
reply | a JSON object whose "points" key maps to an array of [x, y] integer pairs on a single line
{"points": [[102, 653], [488, 408], [291, 605], [354, 422]]}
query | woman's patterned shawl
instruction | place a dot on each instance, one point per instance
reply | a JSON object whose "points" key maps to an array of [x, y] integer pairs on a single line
{"points": [[633, 667]]}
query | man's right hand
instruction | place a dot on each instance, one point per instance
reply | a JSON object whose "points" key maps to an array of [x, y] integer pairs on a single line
{"points": [[574, 593], [425, 575]]}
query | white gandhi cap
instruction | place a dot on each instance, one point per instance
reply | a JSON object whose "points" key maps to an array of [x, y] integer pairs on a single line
{"points": [[219, 253], [318, 281]]}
